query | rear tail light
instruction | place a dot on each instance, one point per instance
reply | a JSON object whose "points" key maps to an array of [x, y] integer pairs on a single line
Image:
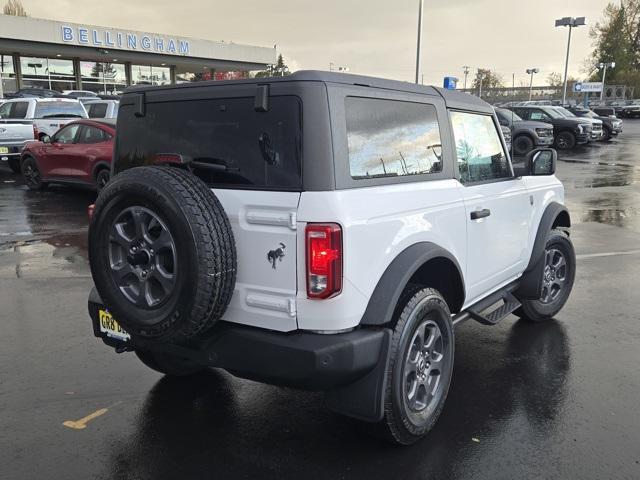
{"points": [[324, 259], [36, 133], [90, 209]]}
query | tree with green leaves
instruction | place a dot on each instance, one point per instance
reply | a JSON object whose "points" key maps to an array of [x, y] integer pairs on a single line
{"points": [[14, 8], [280, 69], [617, 39], [554, 79]]}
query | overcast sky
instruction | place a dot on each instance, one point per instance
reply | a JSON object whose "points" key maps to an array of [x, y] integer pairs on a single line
{"points": [[372, 37]]}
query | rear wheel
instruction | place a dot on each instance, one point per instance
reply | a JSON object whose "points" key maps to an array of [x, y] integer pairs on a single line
{"points": [[168, 364], [31, 174], [14, 165], [565, 141], [420, 366], [557, 279]]}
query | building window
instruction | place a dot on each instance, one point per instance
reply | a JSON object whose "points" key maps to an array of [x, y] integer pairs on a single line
{"points": [[7, 73], [104, 78], [149, 75], [52, 73]]}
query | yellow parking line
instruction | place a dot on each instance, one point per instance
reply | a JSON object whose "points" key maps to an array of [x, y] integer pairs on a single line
{"points": [[82, 423]]}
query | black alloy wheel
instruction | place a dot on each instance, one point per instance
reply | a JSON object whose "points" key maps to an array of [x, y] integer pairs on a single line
{"points": [[142, 255]]}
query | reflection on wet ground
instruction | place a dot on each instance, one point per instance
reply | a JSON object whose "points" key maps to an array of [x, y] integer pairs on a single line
{"points": [[602, 181]]}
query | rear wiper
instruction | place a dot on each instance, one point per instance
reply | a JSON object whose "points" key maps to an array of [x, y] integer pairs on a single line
{"points": [[212, 163]]}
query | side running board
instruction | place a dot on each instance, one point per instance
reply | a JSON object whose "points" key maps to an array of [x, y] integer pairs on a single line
{"points": [[490, 310]]}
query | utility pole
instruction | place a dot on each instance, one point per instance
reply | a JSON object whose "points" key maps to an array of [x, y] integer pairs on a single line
{"points": [[420, 5], [479, 84], [465, 69]]}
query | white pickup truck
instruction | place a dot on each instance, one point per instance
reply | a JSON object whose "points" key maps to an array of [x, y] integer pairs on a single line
{"points": [[47, 115]]}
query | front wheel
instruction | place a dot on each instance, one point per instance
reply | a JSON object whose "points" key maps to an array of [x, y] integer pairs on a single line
{"points": [[523, 144], [557, 279], [420, 366], [31, 174], [565, 141]]}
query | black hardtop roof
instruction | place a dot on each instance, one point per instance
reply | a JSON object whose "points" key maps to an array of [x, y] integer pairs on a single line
{"points": [[454, 99]]}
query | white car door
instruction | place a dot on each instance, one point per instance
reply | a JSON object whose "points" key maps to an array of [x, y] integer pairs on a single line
{"points": [[497, 205]]}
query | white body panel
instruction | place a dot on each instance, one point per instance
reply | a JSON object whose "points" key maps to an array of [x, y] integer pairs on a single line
{"points": [[378, 223], [264, 296]]}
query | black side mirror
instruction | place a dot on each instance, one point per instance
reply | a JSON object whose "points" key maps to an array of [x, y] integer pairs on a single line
{"points": [[542, 161], [46, 139]]}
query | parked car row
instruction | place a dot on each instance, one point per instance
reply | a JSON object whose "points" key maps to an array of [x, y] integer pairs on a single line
{"points": [[535, 125]]}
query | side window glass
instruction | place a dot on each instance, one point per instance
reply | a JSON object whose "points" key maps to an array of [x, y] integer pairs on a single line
{"points": [[481, 156], [5, 110], [389, 138], [537, 115], [19, 109], [91, 135], [66, 135]]}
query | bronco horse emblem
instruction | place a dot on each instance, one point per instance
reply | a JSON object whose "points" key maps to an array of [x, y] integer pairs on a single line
{"points": [[276, 255]]}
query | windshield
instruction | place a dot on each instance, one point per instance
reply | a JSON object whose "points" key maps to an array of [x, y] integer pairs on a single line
{"points": [[53, 109], [508, 115], [553, 113], [564, 112]]}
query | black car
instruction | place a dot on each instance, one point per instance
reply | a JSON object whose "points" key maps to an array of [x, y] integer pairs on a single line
{"points": [[611, 126], [604, 111], [631, 110], [34, 92], [567, 131]]}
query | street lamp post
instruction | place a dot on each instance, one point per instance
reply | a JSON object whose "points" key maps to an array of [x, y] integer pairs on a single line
{"points": [[604, 75], [568, 22], [420, 5], [531, 71]]}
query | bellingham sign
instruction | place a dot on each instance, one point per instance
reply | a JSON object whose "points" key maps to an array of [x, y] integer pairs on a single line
{"points": [[106, 39]]}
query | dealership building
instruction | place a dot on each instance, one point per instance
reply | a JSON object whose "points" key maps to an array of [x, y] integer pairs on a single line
{"points": [[69, 56]]}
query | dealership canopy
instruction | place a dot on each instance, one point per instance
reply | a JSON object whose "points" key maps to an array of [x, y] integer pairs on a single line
{"points": [[67, 56]]}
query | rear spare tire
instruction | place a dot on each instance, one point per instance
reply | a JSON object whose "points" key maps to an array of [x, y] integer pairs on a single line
{"points": [[162, 253]]}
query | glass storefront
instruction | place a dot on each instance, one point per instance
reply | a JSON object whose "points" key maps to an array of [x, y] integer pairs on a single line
{"points": [[103, 78], [7, 73], [52, 73], [149, 75]]}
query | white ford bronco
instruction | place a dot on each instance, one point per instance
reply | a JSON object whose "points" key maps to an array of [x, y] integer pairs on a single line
{"points": [[322, 231]]}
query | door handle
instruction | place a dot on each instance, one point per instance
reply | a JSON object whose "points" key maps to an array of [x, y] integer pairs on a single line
{"points": [[480, 214]]}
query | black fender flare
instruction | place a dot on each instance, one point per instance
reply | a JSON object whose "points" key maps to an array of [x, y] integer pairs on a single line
{"points": [[531, 281], [385, 296]]}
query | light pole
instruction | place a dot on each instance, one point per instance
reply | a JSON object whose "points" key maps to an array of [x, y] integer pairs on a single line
{"points": [[568, 22], [420, 4], [604, 75], [465, 69], [531, 71]]}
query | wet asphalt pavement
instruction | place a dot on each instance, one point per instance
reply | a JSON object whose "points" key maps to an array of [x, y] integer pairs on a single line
{"points": [[557, 400]]}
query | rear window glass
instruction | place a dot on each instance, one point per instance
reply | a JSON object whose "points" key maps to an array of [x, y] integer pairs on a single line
{"points": [[52, 109], [97, 110], [14, 110], [228, 141], [389, 138]]}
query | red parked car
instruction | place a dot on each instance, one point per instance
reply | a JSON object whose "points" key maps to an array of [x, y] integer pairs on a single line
{"points": [[78, 154]]}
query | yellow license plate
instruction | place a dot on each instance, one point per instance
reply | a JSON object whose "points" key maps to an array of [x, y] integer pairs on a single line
{"points": [[4, 149], [112, 328]]}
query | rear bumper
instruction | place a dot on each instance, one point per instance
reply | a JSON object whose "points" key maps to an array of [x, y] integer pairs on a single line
{"points": [[298, 359], [14, 150]]}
